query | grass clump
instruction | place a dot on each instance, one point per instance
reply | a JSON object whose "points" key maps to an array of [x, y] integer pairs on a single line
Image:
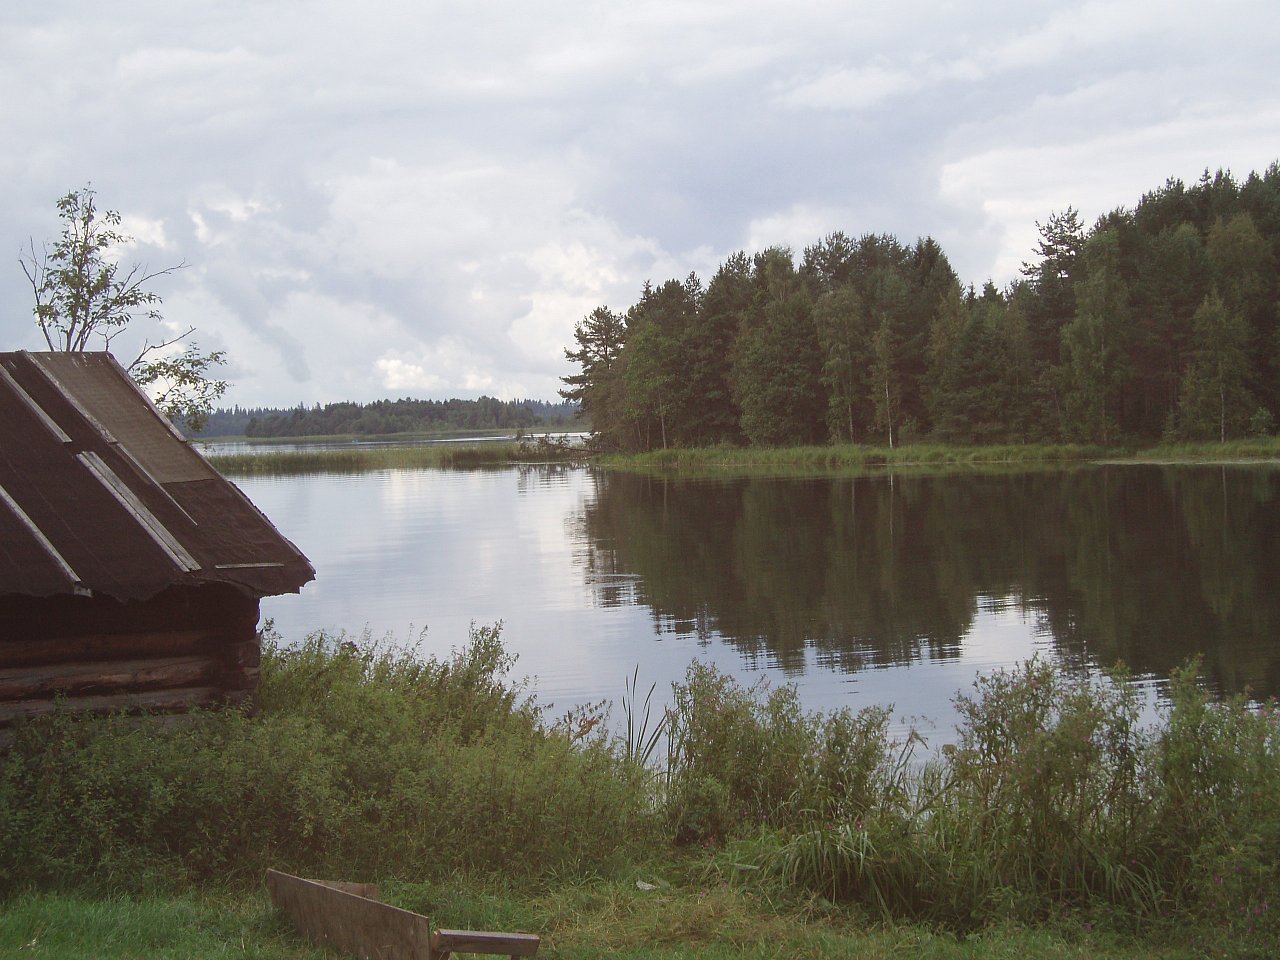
{"points": [[746, 758]]}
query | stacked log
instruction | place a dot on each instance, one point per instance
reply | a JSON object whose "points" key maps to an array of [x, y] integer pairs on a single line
{"points": [[186, 647]]}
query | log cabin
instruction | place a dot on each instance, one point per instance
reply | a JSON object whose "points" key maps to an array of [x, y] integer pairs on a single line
{"points": [[130, 570]]}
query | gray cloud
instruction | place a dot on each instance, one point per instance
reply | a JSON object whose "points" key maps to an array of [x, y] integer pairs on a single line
{"points": [[425, 198]]}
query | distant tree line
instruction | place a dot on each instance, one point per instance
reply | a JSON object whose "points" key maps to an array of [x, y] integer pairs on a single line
{"points": [[1157, 322], [388, 416]]}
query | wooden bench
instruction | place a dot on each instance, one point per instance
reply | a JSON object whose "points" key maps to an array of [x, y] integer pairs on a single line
{"points": [[445, 943], [349, 917]]}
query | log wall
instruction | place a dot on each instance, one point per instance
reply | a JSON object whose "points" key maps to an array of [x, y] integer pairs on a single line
{"points": [[189, 646]]}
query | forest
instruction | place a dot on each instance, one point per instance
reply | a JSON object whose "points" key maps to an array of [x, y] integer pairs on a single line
{"points": [[1156, 323], [388, 417]]}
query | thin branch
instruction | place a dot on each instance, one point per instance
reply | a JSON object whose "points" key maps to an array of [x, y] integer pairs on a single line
{"points": [[148, 347]]}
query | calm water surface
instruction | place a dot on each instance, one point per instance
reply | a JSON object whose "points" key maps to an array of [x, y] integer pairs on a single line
{"points": [[876, 590]]}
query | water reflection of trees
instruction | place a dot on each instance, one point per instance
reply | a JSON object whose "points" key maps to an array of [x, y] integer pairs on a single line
{"points": [[1147, 565]]}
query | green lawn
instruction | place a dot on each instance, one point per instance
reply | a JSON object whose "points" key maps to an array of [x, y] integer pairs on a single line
{"points": [[583, 920]]}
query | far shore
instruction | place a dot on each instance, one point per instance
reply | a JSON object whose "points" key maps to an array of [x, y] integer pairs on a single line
{"points": [[408, 452]]}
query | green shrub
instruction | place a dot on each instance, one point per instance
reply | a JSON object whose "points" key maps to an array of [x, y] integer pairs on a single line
{"points": [[363, 763], [1216, 808]]}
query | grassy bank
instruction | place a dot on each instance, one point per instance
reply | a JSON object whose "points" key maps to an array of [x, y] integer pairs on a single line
{"points": [[855, 458], [847, 458], [751, 821]]}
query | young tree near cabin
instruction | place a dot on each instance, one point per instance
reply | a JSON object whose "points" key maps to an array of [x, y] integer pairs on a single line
{"points": [[81, 294]]}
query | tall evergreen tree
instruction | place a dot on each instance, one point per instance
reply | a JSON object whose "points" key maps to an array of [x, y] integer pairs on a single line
{"points": [[598, 387], [840, 321], [1053, 277], [948, 401], [777, 360], [886, 383], [1093, 346], [1215, 402]]}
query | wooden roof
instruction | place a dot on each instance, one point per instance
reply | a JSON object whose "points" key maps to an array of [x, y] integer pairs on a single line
{"points": [[100, 494]]}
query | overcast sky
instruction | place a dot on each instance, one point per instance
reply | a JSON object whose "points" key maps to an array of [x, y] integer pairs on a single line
{"points": [[421, 199]]}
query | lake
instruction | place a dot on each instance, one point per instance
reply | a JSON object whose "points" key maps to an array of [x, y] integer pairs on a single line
{"points": [[889, 589]]}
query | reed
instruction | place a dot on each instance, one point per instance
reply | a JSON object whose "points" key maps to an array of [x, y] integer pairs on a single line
{"points": [[362, 459], [1256, 448]]}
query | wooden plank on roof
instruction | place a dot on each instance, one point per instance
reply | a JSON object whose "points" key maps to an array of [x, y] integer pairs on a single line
{"points": [[36, 410], [102, 392], [138, 510], [73, 579]]}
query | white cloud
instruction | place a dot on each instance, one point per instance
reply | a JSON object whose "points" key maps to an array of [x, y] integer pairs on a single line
{"points": [[854, 88], [146, 231], [798, 227], [398, 375]]}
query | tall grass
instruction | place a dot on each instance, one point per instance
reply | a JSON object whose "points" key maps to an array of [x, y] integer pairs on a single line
{"points": [[1253, 448], [1056, 800]]}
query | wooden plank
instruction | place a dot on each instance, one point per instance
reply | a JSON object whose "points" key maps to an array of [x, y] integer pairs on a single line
{"points": [[104, 646], [367, 890], [353, 924], [113, 676], [446, 942], [163, 701]]}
